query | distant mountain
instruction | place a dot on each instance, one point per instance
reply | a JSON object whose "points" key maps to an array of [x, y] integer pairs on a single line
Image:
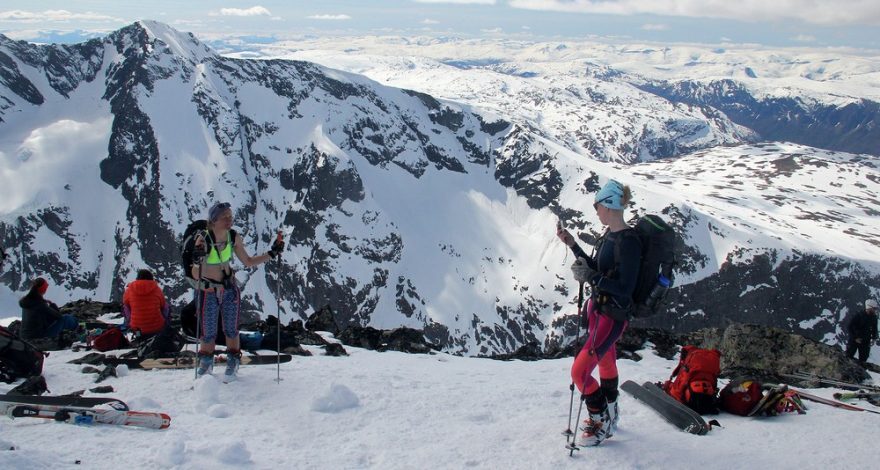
{"points": [[402, 209], [852, 127]]}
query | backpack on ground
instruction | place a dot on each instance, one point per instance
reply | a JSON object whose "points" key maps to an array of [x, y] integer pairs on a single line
{"points": [[694, 381], [740, 396], [109, 339], [655, 270], [18, 358], [166, 343]]}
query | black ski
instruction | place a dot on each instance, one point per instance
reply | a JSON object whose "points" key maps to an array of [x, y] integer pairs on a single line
{"points": [[71, 401], [188, 361], [671, 410]]}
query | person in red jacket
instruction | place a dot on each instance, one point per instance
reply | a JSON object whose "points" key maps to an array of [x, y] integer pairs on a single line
{"points": [[144, 305]]}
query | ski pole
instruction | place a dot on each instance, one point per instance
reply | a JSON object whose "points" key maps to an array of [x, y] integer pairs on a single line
{"points": [[278, 307], [568, 432], [201, 298], [572, 446]]}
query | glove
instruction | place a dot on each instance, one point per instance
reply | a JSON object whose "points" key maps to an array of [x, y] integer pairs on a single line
{"points": [[199, 254], [565, 236], [582, 271], [277, 248]]}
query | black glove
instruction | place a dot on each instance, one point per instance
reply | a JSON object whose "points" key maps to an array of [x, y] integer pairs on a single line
{"points": [[199, 254], [582, 271], [277, 248]]}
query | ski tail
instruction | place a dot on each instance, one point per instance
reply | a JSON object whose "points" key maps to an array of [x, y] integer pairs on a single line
{"points": [[667, 407]]}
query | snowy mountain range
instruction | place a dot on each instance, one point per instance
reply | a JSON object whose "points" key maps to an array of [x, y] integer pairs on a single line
{"points": [[422, 191]]}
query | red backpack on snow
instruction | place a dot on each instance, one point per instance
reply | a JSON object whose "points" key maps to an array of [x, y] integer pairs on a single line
{"points": [[694, 381], [110, 339]]}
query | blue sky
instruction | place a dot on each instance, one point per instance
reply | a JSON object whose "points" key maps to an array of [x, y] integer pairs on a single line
{"points": [[813, 23]]}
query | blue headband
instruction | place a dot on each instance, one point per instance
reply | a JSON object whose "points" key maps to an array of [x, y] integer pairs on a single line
{"points": [[611, 196], [217, 210]]}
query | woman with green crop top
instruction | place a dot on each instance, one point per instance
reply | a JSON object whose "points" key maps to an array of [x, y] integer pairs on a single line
{"points": [[219, 294]]}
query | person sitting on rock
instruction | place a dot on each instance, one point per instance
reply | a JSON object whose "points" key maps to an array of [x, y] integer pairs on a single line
{"points": [[862, 331], [41, 318], [144, 305]]}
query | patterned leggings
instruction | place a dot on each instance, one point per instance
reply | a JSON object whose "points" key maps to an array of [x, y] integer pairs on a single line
{"points": [[214, 303], [599, 350]]}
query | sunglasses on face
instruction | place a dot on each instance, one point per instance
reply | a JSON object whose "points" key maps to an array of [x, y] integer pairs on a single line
{"points": [[600, 201]]}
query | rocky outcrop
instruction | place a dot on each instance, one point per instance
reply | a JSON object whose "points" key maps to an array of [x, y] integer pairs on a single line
{"points": [[399, 339], [768, 353]]}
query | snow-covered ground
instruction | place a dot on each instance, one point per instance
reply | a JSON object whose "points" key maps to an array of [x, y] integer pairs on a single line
{"points": [[394, 410]]}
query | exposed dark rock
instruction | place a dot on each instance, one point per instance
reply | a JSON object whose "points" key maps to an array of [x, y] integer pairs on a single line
{"points": [[296, 351], [788, 288], [323, 320], [361, 337], [399, 339], [664, 343], [406, 340], [334, 349], [89, 310]]}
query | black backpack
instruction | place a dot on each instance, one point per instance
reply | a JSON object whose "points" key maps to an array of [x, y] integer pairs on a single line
{"points": [[189, 243], [192, 231], [657, 239], [166, 343], [18, 358]]}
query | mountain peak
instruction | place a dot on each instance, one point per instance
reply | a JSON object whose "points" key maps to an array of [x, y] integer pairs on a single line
{"points": [[146, 33]]}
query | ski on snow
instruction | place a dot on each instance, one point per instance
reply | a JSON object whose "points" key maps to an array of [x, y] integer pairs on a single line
{"points": [[184, 361], [77, 410], [667, 407], [188, 362]]}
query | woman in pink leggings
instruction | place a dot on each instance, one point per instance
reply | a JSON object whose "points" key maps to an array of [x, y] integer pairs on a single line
{"points": [[612, 274]]}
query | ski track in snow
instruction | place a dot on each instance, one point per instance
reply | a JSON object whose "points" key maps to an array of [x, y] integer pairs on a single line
{"points": [[393, 410]]}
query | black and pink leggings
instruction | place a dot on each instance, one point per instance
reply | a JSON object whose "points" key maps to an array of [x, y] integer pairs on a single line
{"points": [[599, 350]]}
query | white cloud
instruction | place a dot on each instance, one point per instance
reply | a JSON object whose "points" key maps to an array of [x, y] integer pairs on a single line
{"points": [[430, 21], [804, 38], [252, 11], [655, 27], [54, 16], [329, 17], [492, 31], [459, 2], [826, 12]]}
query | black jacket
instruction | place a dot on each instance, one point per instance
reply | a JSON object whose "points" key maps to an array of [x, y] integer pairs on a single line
{"points": [[36, 316], [863, 325]]}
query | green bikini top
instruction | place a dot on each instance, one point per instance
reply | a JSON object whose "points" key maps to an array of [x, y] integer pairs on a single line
{"points": [[224, 256]]}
